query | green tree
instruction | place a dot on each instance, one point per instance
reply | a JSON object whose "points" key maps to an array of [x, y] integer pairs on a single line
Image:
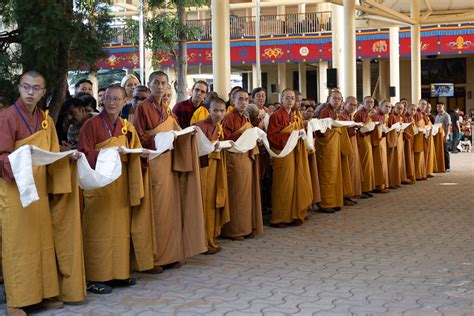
{"points": [[166, 30], [51, 36]]}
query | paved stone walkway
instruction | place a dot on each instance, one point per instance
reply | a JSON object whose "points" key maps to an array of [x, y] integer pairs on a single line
{"points": [[409, 252]]}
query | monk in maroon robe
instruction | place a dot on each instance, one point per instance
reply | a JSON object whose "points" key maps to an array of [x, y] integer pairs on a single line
{"points": [[176, 188], [242, 176], [291, 188], [365, 148], [214, 177]]}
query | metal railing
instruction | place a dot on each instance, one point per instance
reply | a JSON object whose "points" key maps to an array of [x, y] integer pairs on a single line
{"points": [[120, 35], [311, 22]]}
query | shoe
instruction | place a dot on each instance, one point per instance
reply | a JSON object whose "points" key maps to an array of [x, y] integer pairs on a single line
{"points": [[392, 187], [98, 288], [314, 208], [430, 176], [250, 236], [363, 196], [52, 303], [337, 209], [408, 182], [12, 311], [278, 225], [174, 265], [383, 191], [122, 283], [368, 194], [211, 251], [238, 238], [154, 270], [326, 210], [349, 202], [297, 222]]}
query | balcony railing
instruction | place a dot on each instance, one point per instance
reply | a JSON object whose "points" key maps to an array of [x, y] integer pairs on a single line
{"points": [[311, 22]]}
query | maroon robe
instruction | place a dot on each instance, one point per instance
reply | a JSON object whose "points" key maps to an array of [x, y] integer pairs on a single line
{"points": [[14, 129], [243, 180], [176, 187], [365, 152]]}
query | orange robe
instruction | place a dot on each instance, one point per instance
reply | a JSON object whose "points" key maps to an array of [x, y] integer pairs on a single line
{"points": [[365, 152], [408, 135], [328, 151], [428, 148], [176, 187], [393, 159], [243, 180], [119, 214], [418, 148], [379, 151], [214, 184], [292, 193], [42, 243], [354, 158]]}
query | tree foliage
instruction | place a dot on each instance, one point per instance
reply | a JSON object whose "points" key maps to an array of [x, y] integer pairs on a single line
{"points": [[166, 30], [51, 36]]}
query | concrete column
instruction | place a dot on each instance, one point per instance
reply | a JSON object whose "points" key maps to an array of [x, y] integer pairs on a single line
{"points": [[383, 88], [366, 84], [220, 46], [301, 11], [395, 63], [281, 78], [95, 84], [349, 49], [337, 21], [415, 53], [322, 81], [281, 10], [254, 77], [171, 72], [302, 78], [148, 64]]}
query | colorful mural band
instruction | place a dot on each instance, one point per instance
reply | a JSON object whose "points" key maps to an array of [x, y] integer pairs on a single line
{"points": [[435, 40]]}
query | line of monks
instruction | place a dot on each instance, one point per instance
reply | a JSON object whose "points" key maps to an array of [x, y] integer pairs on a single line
{"points": [[161, 211]]}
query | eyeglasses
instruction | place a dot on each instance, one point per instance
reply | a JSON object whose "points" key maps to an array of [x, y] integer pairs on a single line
{"points": [[137, 98], [116, 99], [27, 88]]}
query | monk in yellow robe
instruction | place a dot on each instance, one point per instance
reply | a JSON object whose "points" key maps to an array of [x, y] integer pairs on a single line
{"points": [[409, 136], [41, 243], [312, 159], [243, 177], [292, 193], [328, 151], [393, 159], [111, 213], [355, 169], [365, 148], [178, 215], [428, 142], [418, 146], [379, 147], [397, 117], [214, 177]]}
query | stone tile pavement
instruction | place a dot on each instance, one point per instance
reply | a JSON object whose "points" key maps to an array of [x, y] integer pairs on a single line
{"points": [[410, 252]]}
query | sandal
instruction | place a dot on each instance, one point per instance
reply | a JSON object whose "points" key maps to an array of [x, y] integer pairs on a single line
{"points": [[98, 288]]}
